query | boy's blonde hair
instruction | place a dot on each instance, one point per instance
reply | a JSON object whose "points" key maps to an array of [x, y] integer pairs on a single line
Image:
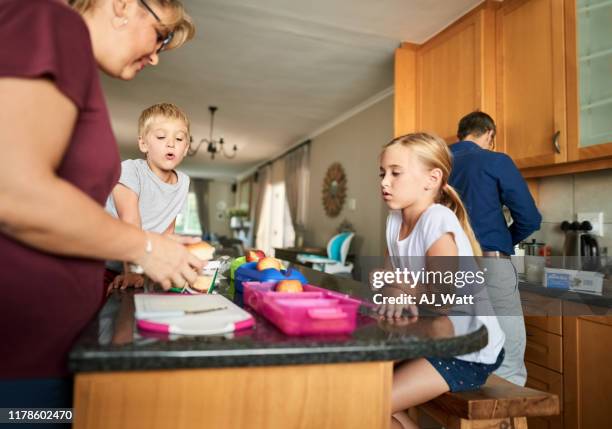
{"points": [[164, 110], [181, 24], [433, 153]]}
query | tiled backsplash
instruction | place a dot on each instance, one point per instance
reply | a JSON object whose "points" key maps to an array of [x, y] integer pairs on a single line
{"points": [[561, 197]]}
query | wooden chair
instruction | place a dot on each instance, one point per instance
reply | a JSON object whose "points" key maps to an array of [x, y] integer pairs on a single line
{"points": [[498, 404]]}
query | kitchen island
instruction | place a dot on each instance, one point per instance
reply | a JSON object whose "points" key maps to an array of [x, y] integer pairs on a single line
{"points": [[256, 378]]}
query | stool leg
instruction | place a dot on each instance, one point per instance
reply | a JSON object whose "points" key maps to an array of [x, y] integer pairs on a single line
{"points": [[519, 423]]}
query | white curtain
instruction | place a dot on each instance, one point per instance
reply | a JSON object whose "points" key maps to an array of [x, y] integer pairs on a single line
{"points": [[274, 225], [297, 179]]}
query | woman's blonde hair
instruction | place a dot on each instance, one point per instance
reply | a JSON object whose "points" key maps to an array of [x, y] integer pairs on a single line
{"points": [[433, 153], [181, 24]]}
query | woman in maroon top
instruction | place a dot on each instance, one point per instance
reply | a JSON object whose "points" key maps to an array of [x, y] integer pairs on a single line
{"points": [[60, 163]]}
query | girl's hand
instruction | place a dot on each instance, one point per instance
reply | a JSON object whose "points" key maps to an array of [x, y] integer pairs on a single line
{"points": [[169, 262], [126, 280], [396, 311]]}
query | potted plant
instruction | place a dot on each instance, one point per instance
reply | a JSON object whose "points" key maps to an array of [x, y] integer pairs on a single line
{"points": [[237, 216]]}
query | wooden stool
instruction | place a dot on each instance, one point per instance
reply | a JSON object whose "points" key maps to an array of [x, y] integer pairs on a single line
{"points": [[497, 404]]}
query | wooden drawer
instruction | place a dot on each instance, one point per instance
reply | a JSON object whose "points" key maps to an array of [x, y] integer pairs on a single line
{"points": [[544, 348], [542, 312], [548, 381]]}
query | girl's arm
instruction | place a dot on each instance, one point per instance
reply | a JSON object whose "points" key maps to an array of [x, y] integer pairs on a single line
{"points": [[44, 211], [443, 246]]}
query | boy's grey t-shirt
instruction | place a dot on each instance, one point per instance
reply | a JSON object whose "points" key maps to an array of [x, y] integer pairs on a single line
{"points": [[158, 202]]}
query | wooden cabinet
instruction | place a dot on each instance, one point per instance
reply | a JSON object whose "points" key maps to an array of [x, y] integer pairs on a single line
{"points": [[546, 380], [541, 68], [544, 351], [587, 349], [531, 82], [572, 360], [589, 78], [452, 74], [544, 348]]}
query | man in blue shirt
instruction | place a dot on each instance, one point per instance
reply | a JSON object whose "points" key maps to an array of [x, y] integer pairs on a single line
{"points": [[487, 181]]}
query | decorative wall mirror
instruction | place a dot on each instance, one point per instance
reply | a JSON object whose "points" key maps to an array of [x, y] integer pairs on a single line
{"points": [[334, 190]]}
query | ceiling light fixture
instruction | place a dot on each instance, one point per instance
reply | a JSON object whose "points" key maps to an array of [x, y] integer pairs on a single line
{"points": [[213, 146]]}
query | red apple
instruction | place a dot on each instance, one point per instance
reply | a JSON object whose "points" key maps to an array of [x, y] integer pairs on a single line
{"points": [[254, 255], [265, 263], [289, 286]]}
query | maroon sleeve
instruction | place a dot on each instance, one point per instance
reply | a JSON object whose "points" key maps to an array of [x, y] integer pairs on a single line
{"points": [[46, 39]]}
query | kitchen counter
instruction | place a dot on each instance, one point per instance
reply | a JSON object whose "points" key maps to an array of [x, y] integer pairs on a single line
{"points": [[604, 301], [257, 378], [112, 342]]}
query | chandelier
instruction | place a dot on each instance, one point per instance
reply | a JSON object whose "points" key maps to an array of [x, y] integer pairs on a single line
{"points": [[213, 146]]}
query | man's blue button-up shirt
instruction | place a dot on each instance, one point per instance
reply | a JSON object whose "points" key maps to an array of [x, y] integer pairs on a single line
{"points": [[486, 181]]}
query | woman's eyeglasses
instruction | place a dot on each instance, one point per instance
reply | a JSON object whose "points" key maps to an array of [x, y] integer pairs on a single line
{"points": [[164, 40]]}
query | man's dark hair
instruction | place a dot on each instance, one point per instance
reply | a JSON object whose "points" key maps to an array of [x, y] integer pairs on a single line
{"points": [[476, 123]]}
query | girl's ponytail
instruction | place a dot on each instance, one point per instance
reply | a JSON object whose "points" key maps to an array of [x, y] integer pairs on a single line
{"points": [[451, 199]]}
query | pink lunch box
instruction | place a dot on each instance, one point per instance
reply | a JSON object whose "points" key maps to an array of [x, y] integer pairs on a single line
{"points": [[312, 312]]}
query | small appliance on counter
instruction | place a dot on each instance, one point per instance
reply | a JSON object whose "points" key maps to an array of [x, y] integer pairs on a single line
{"points": [[580, 248]]}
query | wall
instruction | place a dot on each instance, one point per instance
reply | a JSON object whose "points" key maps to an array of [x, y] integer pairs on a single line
{"points": [[219, 191], [355, 143], [562, 197]]}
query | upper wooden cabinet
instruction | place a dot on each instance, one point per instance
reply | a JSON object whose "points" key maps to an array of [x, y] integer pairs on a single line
{"points": [[531, 82], [452, 79], [449, 76], [541, 68], [589, 78]]}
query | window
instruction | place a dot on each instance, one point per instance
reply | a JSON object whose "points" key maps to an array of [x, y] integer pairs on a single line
{"points": [[188, 222]]}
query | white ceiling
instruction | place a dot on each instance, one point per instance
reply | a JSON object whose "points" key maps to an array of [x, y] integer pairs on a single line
{"points": [[277, 69]]}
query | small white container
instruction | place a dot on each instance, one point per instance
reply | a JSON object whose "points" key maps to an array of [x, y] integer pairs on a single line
{"points": [[534, 267]]}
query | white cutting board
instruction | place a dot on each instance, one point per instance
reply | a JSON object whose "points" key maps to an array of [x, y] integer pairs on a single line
{"points": [[150, 309]]}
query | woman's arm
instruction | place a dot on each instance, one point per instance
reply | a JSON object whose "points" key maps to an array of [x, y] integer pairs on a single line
{"points": [[48, 213]]}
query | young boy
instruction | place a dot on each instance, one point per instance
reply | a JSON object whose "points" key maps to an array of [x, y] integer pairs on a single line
{"points": [[150, 192]]}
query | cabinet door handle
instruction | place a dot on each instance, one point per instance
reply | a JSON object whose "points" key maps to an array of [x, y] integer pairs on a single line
{"points": [[555, 141]]}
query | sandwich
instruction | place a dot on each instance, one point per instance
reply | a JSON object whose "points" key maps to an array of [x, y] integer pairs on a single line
{"points": [[202, 284], [202, 250]]}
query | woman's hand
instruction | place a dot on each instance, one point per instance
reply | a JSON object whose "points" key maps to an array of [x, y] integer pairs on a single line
{"points": [[169, 262], [183, 239]]}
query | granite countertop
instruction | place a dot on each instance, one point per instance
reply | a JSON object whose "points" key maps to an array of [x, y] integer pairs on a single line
{"points": [[112, 342], [604, 300]]}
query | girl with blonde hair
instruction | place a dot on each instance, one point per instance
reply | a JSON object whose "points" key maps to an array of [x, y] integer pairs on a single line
{"points": [[428, 220]]}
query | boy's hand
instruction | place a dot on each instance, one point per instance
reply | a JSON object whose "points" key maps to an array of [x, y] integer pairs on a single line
{"points": [[123, 281]]}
